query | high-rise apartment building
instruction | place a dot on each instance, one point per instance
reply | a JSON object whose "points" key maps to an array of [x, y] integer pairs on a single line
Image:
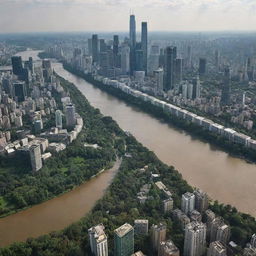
{"points": [[188, 202], [141, 227], [219, 231], [35, 157], [58, 119], [168, 205], [158, 235], [196, 88], [70, 115], [98, 240], [226, 90], [201, 201], [223, 234], [178, 70], [217, 60], [124, 240], [125, 60], [159, 78], [195, 239], [116, 50]]}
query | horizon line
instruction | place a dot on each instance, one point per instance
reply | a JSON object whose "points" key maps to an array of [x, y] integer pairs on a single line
{"points": [[122, 31]]}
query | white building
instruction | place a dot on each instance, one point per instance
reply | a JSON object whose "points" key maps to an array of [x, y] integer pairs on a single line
{"points": [[98, 240], [58, 119], [195, 239], [35, 157], [188, 202]]}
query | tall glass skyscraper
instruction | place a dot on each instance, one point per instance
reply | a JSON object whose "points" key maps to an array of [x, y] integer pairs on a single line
{"points": [[144, 44], [132, 43], [124, 240], [169, 67]]}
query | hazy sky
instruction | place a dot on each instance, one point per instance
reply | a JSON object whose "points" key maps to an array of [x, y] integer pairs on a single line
{"points": [[113, 15]]}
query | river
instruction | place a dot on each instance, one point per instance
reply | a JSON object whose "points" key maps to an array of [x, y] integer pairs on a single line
{"points": [[227, 179]]}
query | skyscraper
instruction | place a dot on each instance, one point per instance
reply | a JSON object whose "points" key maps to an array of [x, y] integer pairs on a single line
{"points": [[159, 77], [188, 202], [178, 70], [104, 63], [89, 46], [170, 56], [132, 43], [35, 157], [58, 119], [195, 239], [115, 50], [124, 240], [226, 90], [103, 46], [202, 66], [98, 240], [31, 65], [223, 234], [144, 44], [196, 88], [125, 60], [219, 230], [17, 66], [189, 57], [158, 235], [70, 116], [217, 249], [139, 60], [153, 59], [141, 227], [201, 201], [132, 31], [95, 48], [217, 60], [19, 90]]}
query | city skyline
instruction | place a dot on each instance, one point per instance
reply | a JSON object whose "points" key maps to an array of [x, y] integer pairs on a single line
{"points": [[182, 15]]}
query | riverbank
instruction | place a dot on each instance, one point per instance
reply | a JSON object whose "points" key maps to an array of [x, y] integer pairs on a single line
{"points": [[111, 165], [218, 141], [120, 205], [57, 213], [65, 170]]}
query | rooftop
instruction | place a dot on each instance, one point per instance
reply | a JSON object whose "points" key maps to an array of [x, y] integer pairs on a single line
{"points": [[123, 230]]}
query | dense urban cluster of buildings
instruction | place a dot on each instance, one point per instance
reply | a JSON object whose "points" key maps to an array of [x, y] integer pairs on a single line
{"points": [[204, 232], [197, 76], [161, 76], [27, 105]]}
